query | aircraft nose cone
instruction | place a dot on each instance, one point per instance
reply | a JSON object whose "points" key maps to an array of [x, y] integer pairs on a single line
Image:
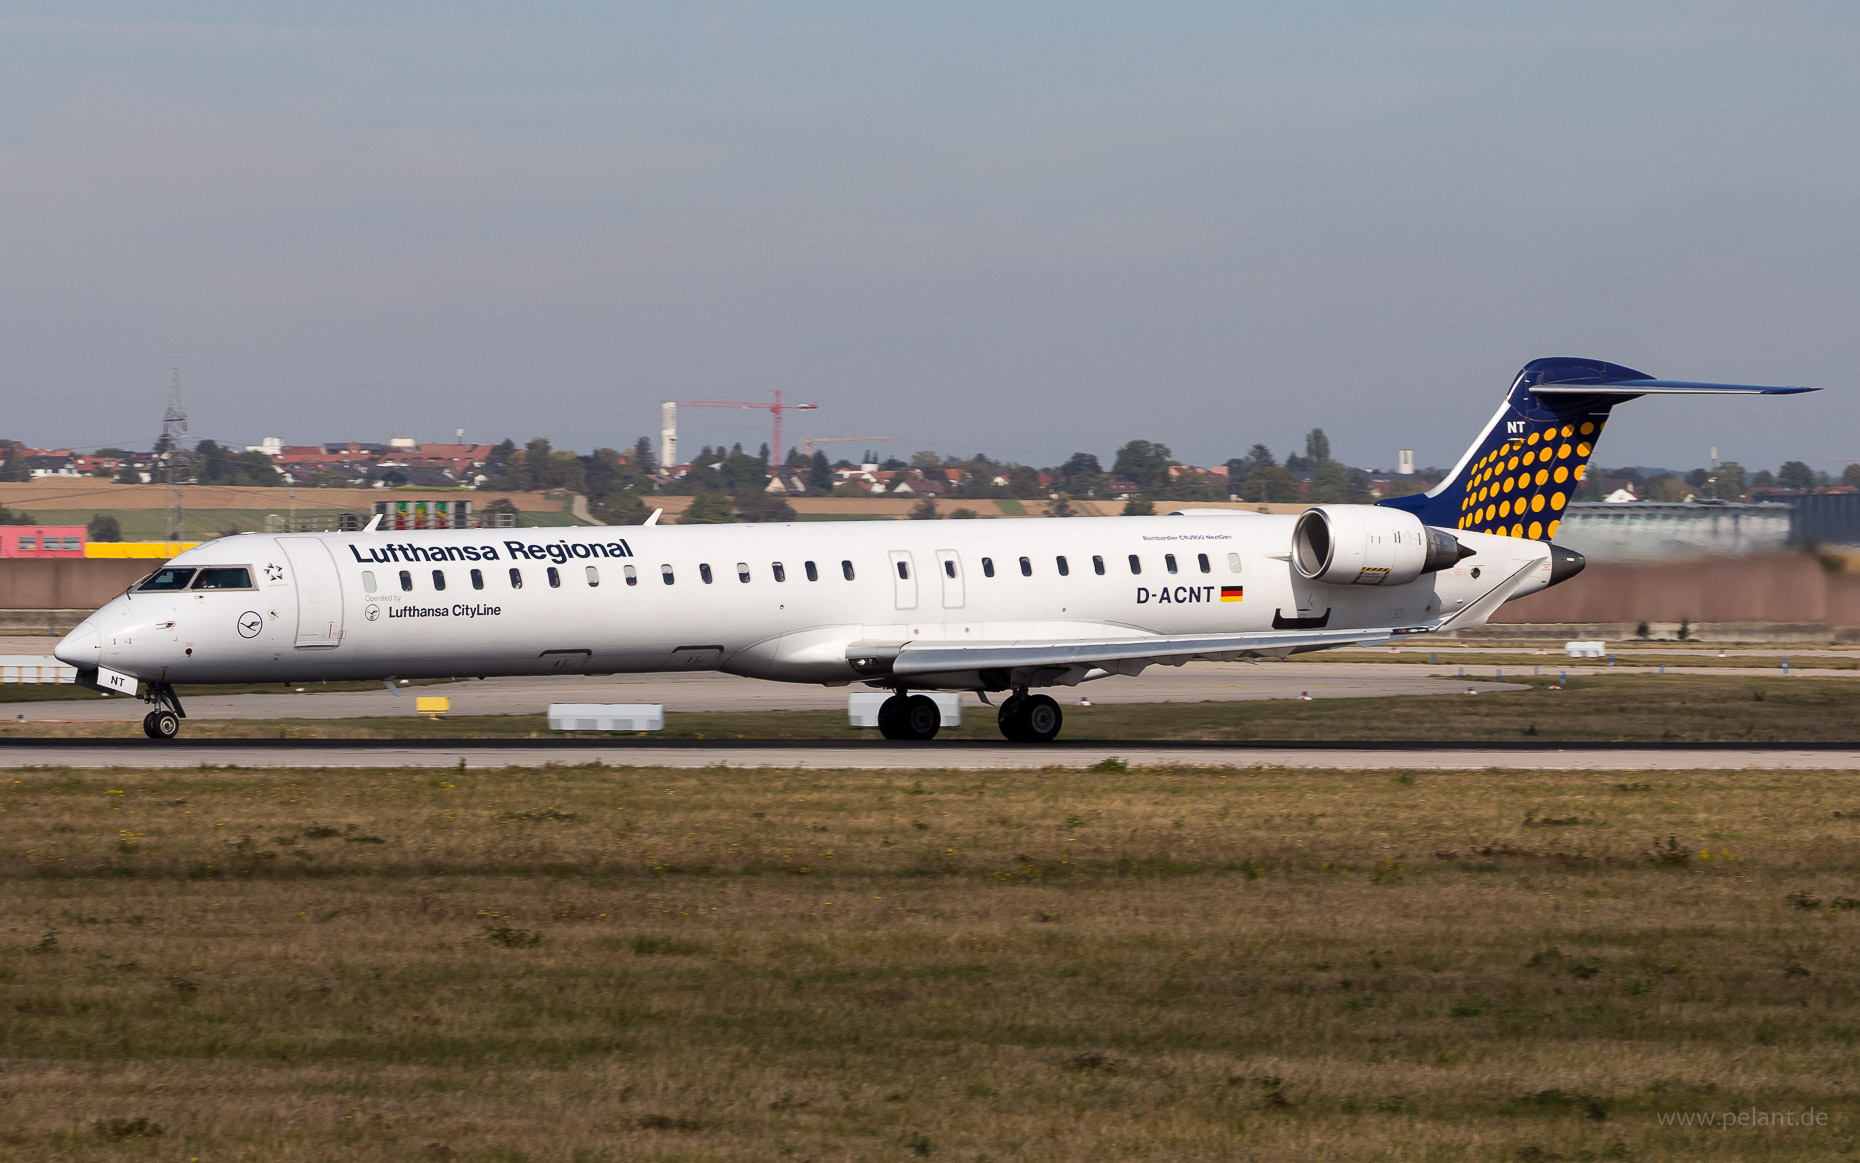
{"points": [[82, 648]]}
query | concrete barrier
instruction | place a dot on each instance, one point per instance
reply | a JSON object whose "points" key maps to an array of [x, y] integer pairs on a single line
{"points": [[606, 716], [862, 709], [52, 583]]}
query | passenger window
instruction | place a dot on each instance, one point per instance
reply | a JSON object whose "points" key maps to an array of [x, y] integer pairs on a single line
{"points": [[224, 577], [704, 573], [847, 569], [949, 567], [988, 567], [1233, 562], [904, 569], [742, 572], [594, 576], [1169, 562], [632, 575], [1064, 569], [1097, 565], [406, 580], [1136, 566], [665, 574], [776, 571], [368, 580], [516, 579], [477, 579], [555, 578], [439, 579], [1026, 568], [1201, 559], [812, 573]]}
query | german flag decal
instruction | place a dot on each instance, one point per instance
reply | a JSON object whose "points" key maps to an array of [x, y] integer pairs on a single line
{"points": [[1232, 593]]}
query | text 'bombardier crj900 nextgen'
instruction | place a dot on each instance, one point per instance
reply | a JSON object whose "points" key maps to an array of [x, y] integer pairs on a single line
{"points": [[986, 606]]}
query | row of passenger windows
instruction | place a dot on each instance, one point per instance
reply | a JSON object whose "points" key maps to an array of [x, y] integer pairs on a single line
{"points": [[1097, 565], [779, 572]]}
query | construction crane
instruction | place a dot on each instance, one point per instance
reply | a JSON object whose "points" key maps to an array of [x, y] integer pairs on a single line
{"points": [[668, 420], [808, 441], [174, 456]]}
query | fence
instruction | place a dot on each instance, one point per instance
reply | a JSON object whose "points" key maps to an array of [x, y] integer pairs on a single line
{"points": [[34, 668]]}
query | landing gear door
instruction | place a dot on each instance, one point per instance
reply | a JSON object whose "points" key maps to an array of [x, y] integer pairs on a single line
{"points": [[904, 579], [949, 571], [319, 591]]}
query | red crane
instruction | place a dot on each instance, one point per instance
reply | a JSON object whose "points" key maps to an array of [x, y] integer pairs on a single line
{"points": [[777, 408]]}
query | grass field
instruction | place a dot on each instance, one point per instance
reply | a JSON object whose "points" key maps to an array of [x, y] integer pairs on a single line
{"points": [[1621, 707], [632, 964]]}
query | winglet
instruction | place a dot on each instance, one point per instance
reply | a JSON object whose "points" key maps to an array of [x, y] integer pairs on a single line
{"points": [[374, 523], [654, 519]]}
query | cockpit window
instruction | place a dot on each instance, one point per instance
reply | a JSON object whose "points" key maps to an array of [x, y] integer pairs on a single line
{"points": [[168, 579], [224, 577]]}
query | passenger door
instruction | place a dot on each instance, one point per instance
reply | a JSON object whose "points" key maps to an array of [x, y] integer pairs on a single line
{"points": [[319, 591]]}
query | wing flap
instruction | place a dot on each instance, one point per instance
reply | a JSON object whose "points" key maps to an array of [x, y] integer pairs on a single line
{"points": [[936, 658]]}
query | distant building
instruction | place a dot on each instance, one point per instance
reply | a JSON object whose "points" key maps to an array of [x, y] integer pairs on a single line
{"points": [[42, 540], [1641, 530], [1831, 517]]}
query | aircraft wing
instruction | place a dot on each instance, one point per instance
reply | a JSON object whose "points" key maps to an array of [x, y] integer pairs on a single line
{"points": [[1110, 653], [1129, 653]]}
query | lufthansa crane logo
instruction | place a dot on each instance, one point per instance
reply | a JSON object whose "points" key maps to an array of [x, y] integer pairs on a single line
{"points": [[372, 612], [250, 624]]}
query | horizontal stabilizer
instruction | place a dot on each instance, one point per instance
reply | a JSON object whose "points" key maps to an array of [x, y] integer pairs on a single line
{"points": [[1662, 388]]}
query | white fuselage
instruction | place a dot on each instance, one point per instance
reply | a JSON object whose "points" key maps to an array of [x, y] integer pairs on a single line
{"points": [[781, 601]]}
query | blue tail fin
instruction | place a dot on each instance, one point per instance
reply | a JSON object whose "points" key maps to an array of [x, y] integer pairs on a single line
{"points": [[1518, 477]]}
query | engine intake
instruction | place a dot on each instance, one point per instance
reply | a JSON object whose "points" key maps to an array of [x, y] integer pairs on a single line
{"points": [[1368, 545]]}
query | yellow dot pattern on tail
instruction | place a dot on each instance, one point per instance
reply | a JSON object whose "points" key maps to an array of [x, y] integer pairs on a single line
{"points": [[1521, 488]]}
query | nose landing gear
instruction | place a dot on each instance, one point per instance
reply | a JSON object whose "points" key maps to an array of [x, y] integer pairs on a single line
{"points": [[1026, 718], [164, 722]]}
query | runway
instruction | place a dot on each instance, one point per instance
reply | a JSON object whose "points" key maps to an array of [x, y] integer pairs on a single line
{"points": [[879, 755], [707, 691]]}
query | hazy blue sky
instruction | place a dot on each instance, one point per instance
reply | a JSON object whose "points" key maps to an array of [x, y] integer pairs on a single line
{"points": [[1017, 228]]}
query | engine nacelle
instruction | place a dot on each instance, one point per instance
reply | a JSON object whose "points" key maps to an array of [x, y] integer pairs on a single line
{"points": [[1368, 545]]}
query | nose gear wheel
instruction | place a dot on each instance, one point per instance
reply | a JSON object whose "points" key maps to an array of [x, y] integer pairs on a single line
{"points": [[161, 724]]}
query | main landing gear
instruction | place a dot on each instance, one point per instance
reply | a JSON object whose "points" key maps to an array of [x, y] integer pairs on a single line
{"points": [[905, 716], [1026, 718], [164, 722]]}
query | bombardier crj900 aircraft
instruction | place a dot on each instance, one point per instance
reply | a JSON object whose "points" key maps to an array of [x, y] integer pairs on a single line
{"points": [[994, 607]]}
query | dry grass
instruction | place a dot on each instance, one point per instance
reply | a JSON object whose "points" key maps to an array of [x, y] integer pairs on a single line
{"points": [[602, 964]]}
